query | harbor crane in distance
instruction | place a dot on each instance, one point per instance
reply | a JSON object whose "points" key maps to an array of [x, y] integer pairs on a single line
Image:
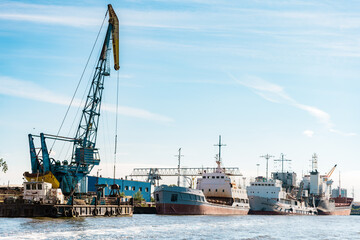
{"points": [[327, 176], [153, 174], [85, 155]]}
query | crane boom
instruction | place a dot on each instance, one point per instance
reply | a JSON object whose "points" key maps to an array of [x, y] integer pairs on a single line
{"points": [[113, 20], [87, 130], [84, 155], [331, 171]]}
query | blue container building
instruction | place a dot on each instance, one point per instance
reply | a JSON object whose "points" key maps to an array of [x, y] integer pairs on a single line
{"points": [[129, 187]]}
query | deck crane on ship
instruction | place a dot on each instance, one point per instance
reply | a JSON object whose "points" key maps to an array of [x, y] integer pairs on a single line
{"points": [[85, 155]]}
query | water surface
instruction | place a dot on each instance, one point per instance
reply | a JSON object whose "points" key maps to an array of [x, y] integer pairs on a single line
{"points": [[183, 227]]}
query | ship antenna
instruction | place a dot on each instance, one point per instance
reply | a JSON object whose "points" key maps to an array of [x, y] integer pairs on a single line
{"points": [[282, 160], [219, 145], [314, 162], [267, 157], [179, 158]]}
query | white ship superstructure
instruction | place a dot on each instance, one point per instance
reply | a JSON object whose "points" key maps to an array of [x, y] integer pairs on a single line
{"points": [[269, 197], [218, 187], [215, 194], [279, 195]]}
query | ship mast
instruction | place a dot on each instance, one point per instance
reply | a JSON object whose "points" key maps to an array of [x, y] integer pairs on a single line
{"points": [[178, 173], [267, 157], [282, 160], [314, 163], [219, 145]]}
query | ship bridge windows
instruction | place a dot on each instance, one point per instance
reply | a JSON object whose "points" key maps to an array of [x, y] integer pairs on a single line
{"points": [[33, 186], [184, 196], [174, 197], [27, 186], [40, 186]]}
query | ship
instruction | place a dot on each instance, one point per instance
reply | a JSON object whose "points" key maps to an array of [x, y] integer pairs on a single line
{"points": [[215, 194], [279, 195], [343, 205], [319, 187], [40, 199], [335, 206], [174, 200]]}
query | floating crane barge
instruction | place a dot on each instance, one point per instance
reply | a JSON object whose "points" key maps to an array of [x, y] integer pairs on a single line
{"points": [[51, 186]]}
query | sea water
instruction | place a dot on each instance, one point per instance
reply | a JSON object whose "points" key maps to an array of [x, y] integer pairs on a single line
{"points": [[183, 227]]}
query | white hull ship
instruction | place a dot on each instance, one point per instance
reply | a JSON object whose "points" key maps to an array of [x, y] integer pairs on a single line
{"points": [[268, 197], [279, 195]]}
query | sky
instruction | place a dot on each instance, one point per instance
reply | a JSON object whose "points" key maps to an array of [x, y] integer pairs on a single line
{"points": [[276, 76]]}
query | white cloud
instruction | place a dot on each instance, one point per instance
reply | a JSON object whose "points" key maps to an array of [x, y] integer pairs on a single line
{"points": [[60, 20], [51, 14], [74, 16], [25, 89], [266, 90], [320, 115], [308, 133], [275, 93], [342, 133]]}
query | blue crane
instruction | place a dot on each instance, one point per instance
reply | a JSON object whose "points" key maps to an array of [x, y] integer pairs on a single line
{"points": [[85, 155]]}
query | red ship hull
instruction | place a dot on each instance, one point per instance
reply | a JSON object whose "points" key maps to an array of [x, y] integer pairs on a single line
{"points": [[339, 212], [343, 207], [204, 209]]}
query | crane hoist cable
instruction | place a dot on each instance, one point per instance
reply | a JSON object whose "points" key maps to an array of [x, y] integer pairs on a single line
{"points": [[82, 75], [116, 122]]}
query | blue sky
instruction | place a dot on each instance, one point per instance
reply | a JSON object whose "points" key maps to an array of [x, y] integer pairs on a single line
{"points": [[270, 77]]}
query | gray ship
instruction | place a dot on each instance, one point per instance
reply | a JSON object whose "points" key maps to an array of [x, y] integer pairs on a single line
{"points": [[279, 195]]}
